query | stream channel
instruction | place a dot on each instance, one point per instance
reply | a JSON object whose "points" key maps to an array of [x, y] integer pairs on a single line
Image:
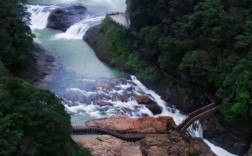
{"points": [[89, 88]]}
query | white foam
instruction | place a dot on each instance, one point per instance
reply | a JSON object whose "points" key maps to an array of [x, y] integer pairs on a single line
{"points": [[89, 109], [39, 15], [77, 90], [177, 116], [217, 150], [78, 30]]}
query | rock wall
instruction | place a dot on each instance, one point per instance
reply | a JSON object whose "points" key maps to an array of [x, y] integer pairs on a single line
{"points": [[41, 67]]}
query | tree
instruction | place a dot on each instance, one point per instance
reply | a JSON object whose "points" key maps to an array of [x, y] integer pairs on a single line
{"points": [[33, 121], [236, 92], [15, 36]]}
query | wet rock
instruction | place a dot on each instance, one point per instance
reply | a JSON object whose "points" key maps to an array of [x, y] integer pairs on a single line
{"points": [[161, 145], [103, 103], [97, 41], [185, 102], [104, 86], [63, 18], [125, 124], [150, 104], [75, 95], [225, 137], [106, 145]]}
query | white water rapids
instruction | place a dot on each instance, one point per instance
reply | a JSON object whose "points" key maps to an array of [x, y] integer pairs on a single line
{"points": [[109, 92]]}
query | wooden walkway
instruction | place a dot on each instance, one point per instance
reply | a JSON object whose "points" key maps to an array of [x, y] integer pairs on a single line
{"points": [[79, 130], [197, 115]]}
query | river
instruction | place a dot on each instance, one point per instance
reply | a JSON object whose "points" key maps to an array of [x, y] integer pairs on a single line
{"points": [[89, 88]]}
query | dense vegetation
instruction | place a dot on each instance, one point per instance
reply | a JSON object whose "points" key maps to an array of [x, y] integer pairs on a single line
{"points": [[32, 121], [15, 36], [205, 45]]}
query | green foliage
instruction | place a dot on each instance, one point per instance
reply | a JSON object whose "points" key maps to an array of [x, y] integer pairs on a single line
{"points": [[195, 67], [122, 53], [203, 43], [236, 91], [15, 35], [32, 121]]}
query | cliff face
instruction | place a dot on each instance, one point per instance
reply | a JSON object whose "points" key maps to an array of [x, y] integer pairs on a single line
{"points": [[41, 67]]}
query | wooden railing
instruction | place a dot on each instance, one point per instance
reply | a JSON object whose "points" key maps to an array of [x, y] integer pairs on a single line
{"points": [[78, 130], [197, 115]]}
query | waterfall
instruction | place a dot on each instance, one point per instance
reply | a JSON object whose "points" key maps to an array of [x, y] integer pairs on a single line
{"points": [[78, 30], [39, 15]]}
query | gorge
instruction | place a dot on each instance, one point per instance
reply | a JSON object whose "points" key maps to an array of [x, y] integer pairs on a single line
{"points": [[89, 88], [125, 79]]}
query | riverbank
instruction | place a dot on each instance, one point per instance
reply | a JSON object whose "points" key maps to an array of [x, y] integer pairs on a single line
{"points": [[38, 73], [225, 136]]}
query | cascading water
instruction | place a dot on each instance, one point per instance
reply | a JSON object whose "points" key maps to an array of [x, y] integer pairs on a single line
{"points": [[90, 94], [39, 15], [78, 30]]}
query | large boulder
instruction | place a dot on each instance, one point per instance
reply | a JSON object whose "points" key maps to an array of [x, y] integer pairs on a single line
{"points": [[125, 124], [105, 145], [150, 104], [63, 18]]}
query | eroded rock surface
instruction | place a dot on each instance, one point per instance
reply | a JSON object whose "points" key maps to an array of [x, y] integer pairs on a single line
{"points": [[172, 144], [105, 145], [125, 124], [150, 104]]}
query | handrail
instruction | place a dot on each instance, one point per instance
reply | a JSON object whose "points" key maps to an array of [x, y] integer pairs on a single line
{"points": [[197, 117], [96, 130], [194, 113]]}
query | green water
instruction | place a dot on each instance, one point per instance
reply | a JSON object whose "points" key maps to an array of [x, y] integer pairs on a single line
{"points": [[75, 55], [75, 62]]}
